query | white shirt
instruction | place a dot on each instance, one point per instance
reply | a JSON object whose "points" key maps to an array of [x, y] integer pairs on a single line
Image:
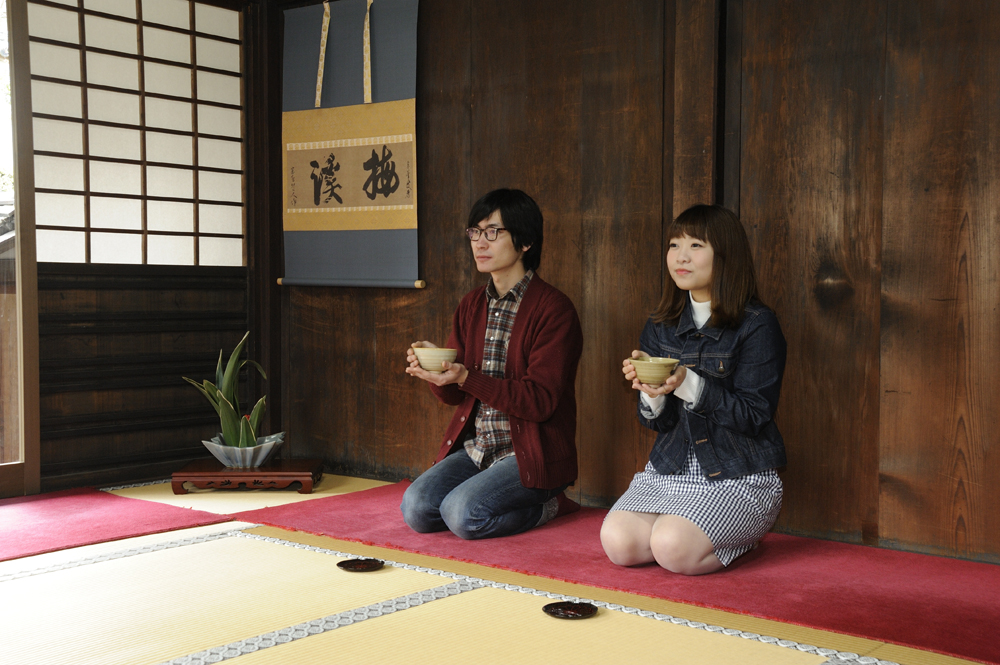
{"points": [[690, 388]]}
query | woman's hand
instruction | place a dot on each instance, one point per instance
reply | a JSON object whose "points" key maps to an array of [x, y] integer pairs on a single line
{"points": [[452, 372], [628, 369], [674, 380]]}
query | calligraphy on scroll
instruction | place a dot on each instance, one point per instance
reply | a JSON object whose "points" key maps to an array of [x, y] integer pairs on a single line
{"points": [[350, 174]]}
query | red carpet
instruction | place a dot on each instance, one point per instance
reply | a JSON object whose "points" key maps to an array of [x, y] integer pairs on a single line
{"points": [[928, 602], [48, 522]]}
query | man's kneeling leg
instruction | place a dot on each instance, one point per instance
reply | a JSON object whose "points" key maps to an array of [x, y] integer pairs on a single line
{"points": [[494, 503], [421, 505]]}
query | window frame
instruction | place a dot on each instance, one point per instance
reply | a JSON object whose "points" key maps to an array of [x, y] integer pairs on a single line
{"points": [[196, 234]]}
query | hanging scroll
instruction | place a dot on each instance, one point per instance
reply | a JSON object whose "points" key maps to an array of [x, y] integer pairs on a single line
{"points": [[348, 131]]}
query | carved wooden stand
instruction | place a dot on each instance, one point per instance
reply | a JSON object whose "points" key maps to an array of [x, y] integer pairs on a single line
{"points": [[279, 474]]}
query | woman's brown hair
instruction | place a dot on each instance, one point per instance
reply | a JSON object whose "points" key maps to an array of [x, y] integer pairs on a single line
{"points": [[734, 280]]}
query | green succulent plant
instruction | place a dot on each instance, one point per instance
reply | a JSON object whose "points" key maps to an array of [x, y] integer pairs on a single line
{"points": [[239, 431]]}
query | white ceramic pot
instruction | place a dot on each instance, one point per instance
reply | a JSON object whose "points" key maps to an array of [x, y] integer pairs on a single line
{"points": [[245, 458]]}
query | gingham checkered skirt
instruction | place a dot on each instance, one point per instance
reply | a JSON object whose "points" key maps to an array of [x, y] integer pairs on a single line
{"points": [[733, 513]]}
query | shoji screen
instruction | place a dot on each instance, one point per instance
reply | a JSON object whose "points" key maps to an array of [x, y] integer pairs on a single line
{"points": [[137, 114]]}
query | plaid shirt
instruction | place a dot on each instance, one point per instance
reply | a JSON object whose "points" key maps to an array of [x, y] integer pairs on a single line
{"points": [[493, 442]]}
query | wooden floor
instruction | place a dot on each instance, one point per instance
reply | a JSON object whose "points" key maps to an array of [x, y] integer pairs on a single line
{"points": [[268, 595]]}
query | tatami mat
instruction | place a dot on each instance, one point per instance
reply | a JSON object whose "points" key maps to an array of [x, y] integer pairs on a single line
{"points": [[165, 603], [60, 557], [228, 502], [211, 589], [800, 634], [497, 626], [171, 595], [169, 602]]}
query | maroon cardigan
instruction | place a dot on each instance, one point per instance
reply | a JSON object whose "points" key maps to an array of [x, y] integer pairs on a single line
{"points": [[538, 391]]}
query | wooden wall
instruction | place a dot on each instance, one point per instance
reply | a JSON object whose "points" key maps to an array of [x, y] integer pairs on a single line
{"points": [[939, 436], [10, 406], [114, 343], [857, 139], [811, 195], [868, 169], [566, 101]]}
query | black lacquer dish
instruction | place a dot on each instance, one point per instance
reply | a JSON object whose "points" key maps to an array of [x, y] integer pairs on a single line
{"points": [[568, 610], [360, 565]]}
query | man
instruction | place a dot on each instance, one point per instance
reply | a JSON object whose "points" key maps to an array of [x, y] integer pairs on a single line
{"points": [[510, 449]]}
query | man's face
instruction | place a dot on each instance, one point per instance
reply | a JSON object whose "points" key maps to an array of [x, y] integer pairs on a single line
{"points": [[496, 255]]}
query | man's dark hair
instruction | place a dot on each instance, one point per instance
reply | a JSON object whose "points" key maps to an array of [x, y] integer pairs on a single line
{"points": [[521, 217]]}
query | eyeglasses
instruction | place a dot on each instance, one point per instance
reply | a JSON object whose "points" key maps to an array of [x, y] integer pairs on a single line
{"points": [[491, 233]]}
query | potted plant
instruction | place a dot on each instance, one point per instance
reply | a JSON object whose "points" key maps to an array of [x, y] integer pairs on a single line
{"points": [[238, 444]]}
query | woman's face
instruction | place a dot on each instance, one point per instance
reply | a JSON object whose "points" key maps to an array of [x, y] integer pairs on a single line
{"points": [[689, 261]]}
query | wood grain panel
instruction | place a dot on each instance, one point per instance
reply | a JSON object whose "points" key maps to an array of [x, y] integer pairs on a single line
{"points": [[27, 274], [728, 106], [939, 458], [694, 93], [167, 301], [10, 378], [120, 457], [410, 421], [330, 392], [115, 341], [811, 192], [12, 479], [262, 29], [568, 105], [86, 345], [124, 404]]}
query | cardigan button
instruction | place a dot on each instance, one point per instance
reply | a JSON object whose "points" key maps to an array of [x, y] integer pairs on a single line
{"points": [[462, 419], [449, 442]]}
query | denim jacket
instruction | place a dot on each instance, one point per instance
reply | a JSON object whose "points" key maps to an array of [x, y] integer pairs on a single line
{"points": [[731, 426]]}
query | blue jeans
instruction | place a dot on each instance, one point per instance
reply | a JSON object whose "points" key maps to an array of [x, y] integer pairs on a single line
{"points": [[454, 494]]}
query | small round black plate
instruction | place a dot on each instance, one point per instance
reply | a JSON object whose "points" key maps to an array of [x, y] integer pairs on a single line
{"points": [[567, 610], [360, 565]]}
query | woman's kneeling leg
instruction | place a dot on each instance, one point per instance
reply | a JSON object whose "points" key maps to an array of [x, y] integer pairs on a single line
{"points": [[625, 536], [680, 546]]}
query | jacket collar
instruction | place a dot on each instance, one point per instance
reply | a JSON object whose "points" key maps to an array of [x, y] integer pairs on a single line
{"points": [[685, 325]]}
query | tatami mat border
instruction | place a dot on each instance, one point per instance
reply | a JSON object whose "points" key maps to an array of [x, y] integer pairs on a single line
{"points": [[125, 487], [461, 584], [324, 625], [835, 657], [121, 554]]}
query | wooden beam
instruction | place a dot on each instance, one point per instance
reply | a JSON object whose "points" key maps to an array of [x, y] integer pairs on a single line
{"points": [[695, 78], [24, 198]]}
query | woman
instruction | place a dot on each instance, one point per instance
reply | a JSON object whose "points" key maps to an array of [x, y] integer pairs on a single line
{"points": [[710, 490]]}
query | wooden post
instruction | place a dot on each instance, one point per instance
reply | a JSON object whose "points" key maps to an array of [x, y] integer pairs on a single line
{"points": [[695, 76]]}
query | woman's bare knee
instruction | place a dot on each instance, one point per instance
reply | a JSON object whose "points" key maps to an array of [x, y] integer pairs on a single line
{"points": [[684, 559], [624, 546], [668, 552], [683, 548]]}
